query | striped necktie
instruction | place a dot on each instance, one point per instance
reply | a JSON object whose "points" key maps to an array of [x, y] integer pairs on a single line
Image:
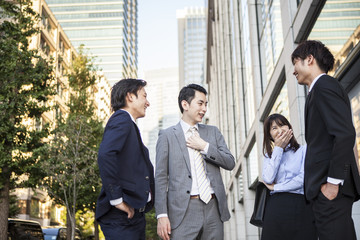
{"points": [[203, 183]]}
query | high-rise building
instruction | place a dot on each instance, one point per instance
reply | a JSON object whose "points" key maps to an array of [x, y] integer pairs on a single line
{"points": [[108, 28], [162, 89], [250, 75], [192, 45]]}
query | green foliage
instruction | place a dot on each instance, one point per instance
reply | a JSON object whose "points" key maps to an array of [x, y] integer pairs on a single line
{"points": [[151, 225], [14, 208], [85, 222], [73, 175], [25, 84]]}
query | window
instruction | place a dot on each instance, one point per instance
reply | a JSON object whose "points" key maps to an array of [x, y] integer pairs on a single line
{"points": [[271, 36], [336, 27], [240, 185], [35, 208], [355, 104], [252, 167], [281, 104]]}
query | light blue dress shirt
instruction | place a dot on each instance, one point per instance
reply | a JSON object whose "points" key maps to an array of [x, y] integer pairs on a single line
{"points": [[285, 168]]}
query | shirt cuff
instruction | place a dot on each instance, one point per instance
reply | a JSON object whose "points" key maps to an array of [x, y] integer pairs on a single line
{"points": [[161, 215], [205, 149], [277, 150], [335, 181], [116, 201]]}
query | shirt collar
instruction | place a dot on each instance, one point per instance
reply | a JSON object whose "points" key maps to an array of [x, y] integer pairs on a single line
{"points": [[315, 80], [130, 116], [287, 148], [185, 126]]}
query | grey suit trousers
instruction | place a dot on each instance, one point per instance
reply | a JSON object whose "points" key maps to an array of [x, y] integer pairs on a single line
{"points": [[201, 221]]}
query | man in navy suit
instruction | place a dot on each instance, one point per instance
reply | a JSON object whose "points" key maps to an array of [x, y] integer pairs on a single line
{"points": [[332, 181], [126, 171]]}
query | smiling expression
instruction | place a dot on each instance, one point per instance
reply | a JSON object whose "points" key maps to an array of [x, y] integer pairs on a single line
{"points": [[276, 130], [139, 104], [194, 111]]}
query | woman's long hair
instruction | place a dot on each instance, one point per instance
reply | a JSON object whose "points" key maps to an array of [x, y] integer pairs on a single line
{"points": [[268, 144]]}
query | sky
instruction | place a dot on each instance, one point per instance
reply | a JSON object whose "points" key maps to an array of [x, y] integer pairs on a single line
{"points": [[157, 32]]}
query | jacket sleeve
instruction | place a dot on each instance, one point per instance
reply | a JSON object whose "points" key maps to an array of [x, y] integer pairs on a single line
{"points": [[334, 108], [109, 160], [219, 154], [161, 173]]}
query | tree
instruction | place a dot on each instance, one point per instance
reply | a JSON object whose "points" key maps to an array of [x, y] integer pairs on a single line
{"points": [[25, 85], [72, 167]]}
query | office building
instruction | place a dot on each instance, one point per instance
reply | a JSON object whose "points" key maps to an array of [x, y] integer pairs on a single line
{"points": [[163, 90], [192, 45], [250, 75], [108, 28]]}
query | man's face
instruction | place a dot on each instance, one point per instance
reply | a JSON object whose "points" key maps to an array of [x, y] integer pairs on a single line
{"points": [[196, 109], [302, 71], [140, 103]]}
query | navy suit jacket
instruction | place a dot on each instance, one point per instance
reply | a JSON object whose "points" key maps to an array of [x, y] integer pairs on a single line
{"points": [[330, 137], [125, 168]]}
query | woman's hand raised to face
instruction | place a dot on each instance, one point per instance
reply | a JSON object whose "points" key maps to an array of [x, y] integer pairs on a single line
{"points": [[283, 138]]}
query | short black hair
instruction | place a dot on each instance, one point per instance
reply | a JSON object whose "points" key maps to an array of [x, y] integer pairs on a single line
{"points": [[318, 50], [122, 88], [187, 93]]}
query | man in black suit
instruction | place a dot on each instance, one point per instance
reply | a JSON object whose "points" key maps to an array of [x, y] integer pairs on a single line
{"points": [[126, 171], [332, 181]]}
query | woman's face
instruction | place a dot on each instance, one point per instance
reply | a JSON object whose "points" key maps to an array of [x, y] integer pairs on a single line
{"points": [[277, 130]]}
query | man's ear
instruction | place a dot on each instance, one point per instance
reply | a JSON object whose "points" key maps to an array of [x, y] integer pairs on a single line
{"points": [[129, 97], [185, 104], [310, 59]]}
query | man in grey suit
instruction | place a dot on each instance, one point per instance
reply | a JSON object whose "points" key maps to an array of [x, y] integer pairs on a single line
{"points": [[190, 198]]}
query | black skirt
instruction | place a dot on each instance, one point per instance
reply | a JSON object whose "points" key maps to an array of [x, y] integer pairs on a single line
{"points": [[289, 217]]}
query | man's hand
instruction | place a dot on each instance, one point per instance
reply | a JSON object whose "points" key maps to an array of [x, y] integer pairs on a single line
{"points": [[196, 142], [126, 208], [163, 228], [330, 190], [283, 139], [270, 186]]}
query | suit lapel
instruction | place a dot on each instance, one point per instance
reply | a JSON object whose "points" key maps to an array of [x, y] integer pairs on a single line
{"points": [[203, 132], [141, 144], [179, 134], [308, 99]]}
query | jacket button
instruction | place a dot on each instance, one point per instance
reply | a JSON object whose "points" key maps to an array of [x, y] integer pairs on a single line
{"points": [[187, 191], [147, 177], [189, 176]]}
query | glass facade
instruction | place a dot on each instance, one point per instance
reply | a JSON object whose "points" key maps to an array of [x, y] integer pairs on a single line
{"points": [[271, 35], [108, 28], [192, 23], [247, 81], [251, 42], [252, 166], [355, 104], [281, 104], [336, 23]]}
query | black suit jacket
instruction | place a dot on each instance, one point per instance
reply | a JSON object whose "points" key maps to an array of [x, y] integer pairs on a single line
{"points": [[125, 168], [330, 137]]}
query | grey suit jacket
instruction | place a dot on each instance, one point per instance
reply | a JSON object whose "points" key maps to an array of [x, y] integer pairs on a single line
{"points": [[173, 178]]}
